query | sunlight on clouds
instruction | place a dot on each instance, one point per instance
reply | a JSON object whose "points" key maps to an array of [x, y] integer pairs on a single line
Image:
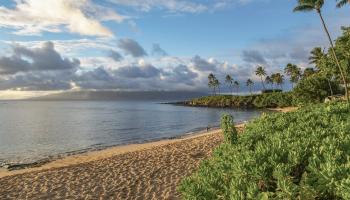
{"points": [[78, 16], [18, 94]]}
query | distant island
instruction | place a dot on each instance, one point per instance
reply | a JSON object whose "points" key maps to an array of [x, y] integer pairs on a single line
{"points": [[166, 96]]}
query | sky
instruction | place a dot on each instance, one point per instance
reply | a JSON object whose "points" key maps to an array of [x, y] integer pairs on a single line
{"points": [[134, 45]]}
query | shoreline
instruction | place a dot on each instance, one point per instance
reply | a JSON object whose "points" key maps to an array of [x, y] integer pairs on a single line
{"points": [[107, 152]]}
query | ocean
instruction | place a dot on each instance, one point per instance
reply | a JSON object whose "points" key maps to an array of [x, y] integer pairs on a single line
{"points": [[35, 131]]}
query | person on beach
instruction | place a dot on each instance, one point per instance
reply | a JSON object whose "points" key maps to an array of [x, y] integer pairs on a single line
{"points": [[208, 128]]}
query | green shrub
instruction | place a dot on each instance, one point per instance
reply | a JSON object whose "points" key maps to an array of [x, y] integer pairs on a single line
{"points": [[299, 155], [314, 89], [229, 129]]}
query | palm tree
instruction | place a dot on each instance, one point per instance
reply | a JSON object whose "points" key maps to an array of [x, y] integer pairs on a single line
{"points": [[308, 72], [260, 71], [229, 81], [211, 82], [268, 80], [250, 83], [309, 5], [217, 84], [236, 85], [278, 78], [316, 58], [342, 3], [293, 72]]}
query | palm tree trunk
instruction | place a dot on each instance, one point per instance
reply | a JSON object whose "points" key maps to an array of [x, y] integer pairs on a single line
{"points": [[330, 87], [262, 83], [335, 55]]}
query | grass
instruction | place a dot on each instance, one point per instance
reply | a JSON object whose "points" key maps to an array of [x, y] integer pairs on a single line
{"points": [[300, 155]]}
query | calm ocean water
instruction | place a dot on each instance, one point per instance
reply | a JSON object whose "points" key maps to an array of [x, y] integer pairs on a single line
{"points": [[34, 130]]}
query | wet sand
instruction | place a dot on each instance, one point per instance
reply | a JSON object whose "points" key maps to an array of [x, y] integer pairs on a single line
{"points": [[140, 171]]}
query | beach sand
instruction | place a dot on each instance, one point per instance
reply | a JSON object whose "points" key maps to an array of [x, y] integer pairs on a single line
{"points": [[141, 171]]}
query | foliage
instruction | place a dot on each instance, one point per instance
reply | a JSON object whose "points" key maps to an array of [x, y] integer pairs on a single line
{"points": [[268, 100], [314, 89], [229, 129], [299, 155]]}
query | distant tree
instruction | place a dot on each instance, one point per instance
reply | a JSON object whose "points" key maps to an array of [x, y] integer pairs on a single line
{"points": [[250, 83], [308, 72], [269, 81], [217, 84], [260, 71], [229, 82], [310, 5], [236, 85], [342, 3], [211, 82], [293, 72], [278, 78]]}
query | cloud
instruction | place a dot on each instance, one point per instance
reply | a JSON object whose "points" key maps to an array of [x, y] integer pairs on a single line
{"points": [[36, 59], [169, 5], [146, 71], [115, 55], [203, 65], [131, 47], [253, 56], [32, 17], [158, 51]]}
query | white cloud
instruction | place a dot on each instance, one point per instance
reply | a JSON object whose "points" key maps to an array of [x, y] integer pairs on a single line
{"points": [[32, 17], [170, 5]]}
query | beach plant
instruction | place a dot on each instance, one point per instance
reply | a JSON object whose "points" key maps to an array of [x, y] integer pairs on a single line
{"points": [[293, 156], [316, 5], [229, 129]]}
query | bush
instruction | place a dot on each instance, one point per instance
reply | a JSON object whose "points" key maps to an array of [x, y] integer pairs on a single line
{"points": [[299, 155], [314, 89], [229, 129]]}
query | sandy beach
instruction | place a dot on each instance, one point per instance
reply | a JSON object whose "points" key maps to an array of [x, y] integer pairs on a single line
{"points": [[140, 171]]}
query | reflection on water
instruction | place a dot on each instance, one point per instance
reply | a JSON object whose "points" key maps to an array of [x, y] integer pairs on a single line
{"points": [[30, 131]]}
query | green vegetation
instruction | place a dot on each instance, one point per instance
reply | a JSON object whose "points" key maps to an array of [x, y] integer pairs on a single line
{"points": [[314, 89], [299, 155], [268, 100], [229, 129]]}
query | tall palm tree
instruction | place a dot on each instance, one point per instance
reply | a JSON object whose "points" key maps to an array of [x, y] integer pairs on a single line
{"points": [[211, 82], [316, 56], [217, 84], [229, 81], [310, 5], [236, 85], [260, 71], [278, 78], [342, 3], [250, 83], [268, 80], [293, 72]]}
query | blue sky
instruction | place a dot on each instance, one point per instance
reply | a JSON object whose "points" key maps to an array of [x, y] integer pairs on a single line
{"points": [[198, 37]]}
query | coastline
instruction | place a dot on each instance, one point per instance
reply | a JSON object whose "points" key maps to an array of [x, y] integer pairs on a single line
{"points": [[108, 152], [139, 171]]}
